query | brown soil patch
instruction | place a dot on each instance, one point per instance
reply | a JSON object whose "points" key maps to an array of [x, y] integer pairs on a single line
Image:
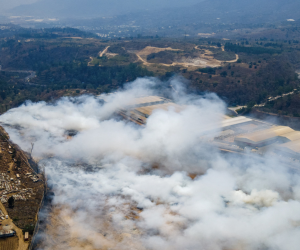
{"points": [[11, 243], [204, 60], [149, 50]]}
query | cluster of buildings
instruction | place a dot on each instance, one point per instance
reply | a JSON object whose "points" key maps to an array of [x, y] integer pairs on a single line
{"points": [[33, 177], [282, 140], [10, 185], [5, 231], [2, 216], [237, 133], [24, 194]]}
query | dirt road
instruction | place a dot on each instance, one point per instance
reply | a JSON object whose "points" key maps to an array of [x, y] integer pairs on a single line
{"points": [[22, 244], [103, 52], [89, 63], [233, 61], [274, 98], [223, 49], [205, 60]]}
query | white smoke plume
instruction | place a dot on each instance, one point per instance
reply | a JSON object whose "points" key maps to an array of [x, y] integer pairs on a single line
{"points": [[121, 186]]}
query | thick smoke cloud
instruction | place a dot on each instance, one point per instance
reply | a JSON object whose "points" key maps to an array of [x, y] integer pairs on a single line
{"points": [[121, 186]]}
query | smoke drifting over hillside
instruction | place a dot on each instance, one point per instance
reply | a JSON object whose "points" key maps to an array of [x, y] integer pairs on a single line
{"points": [[120, 186]]}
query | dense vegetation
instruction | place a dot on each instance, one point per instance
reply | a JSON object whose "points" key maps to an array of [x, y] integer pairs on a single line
{"points": [[166, 57], [239, 85], [73, 75], [287, 105], [14, 92], [250, 50], [55, 82], [67, 65]]}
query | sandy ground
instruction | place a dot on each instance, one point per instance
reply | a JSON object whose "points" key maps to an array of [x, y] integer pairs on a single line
{"points": [[22, 244]]}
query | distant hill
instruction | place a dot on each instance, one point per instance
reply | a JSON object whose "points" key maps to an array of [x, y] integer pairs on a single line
{"points": [[258, 11], [228, 12], [169, 12], [94, 8]]}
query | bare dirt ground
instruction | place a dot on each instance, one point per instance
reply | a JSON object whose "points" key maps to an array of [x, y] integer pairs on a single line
{"points": [[101, 53], [111, 55], [13, 243], [89, 63], [204, 60], [149, 50], [208, 52]]}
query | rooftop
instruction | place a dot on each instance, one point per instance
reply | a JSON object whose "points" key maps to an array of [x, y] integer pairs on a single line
{"points": [[290, 147], [264, 135], [147, 100], [292, 136], [148, 110], [235, 121]]}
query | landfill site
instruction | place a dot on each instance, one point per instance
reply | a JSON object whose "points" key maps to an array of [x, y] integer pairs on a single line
{"points": [[238, 134], [25, 188]]}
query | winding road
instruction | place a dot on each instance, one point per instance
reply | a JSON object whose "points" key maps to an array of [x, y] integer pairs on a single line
{"points": [[22, 244]]}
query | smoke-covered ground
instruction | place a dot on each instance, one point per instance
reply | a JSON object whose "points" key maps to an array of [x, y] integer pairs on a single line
{"points": [[121, 186]]}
